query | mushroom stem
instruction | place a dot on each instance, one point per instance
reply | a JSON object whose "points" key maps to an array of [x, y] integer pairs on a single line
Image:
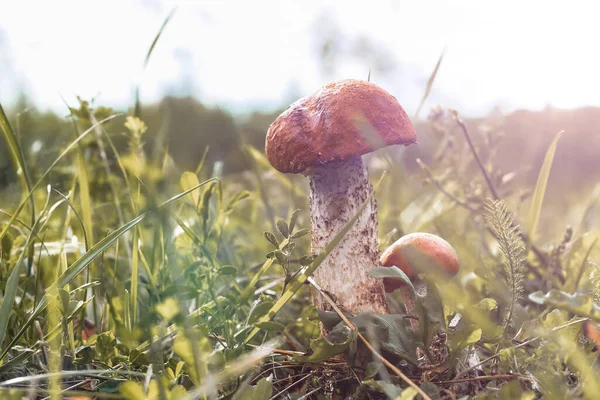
{"points": [[337, 190]]}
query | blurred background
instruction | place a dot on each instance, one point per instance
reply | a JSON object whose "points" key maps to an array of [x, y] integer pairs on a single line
{"points": [[221, 72]]}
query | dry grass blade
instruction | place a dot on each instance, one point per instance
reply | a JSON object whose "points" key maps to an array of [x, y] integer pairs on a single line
{"points": [[138, 105], [429, 83], [388, 364]]}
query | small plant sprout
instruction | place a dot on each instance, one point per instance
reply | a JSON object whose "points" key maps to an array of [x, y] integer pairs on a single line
{"points": [[428, 251], [324, 136]]}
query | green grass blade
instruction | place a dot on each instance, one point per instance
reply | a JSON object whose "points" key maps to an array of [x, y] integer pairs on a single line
{"points": [[540, 190], [83, 181], [78, 266], [135, 262], [263, 269], [299, 280], [50, 168], [16, 153], [12, 284]]}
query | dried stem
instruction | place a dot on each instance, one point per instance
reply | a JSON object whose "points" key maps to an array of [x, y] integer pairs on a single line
{"points": [[388, 364], [462, 126]]}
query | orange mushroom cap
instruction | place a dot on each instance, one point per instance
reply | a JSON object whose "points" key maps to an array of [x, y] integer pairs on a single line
{"points": [[342, 120], [433, 247]]}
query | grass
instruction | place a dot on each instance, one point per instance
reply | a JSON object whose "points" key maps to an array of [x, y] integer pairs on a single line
{"points": [[135, 283], [188, 304]]}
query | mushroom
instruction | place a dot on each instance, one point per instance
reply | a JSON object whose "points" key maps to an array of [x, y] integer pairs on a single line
{"points": [[425, 248], [324, 136]]}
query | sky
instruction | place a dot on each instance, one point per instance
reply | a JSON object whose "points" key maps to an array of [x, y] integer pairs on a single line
{"points": [[246, 55]]}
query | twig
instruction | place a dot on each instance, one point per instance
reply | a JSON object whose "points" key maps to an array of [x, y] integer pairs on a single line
{"points": [[309, 393], [371, 348], [584, 262], [285, 389], [484, 378], [441, 188], [491, 187], [462, 126], [538, 253]]}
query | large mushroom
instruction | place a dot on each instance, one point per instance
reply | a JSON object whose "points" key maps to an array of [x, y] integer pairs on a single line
{"points": [[324, 136]]}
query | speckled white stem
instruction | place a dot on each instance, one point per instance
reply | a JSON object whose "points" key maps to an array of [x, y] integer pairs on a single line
{"points": [[337, 190]]}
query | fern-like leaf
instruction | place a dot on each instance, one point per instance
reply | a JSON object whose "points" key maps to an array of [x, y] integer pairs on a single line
{"points": [[508, 234]]}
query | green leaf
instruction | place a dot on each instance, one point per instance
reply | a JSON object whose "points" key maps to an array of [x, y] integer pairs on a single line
{"points": [[84, 355], [540, 189], [257, 310], [244, 194], [391, 272], [430, 310], [283, 228], [300, 233], [261, 391], [322, 349], [463, 338], [288, 249], [272, 239], [408, 394], [131, 390], [22, 354], [431, 389], [293, 219], [578, 303], [110, 385], [189, 180], [393, 392], [330, 319], [372, 369], [6, 246], [168, 309], [270, 326], [227, 270], [307, 327], [204, 205], [389, 332], [307, 259], [487, 304], [280, 257]]}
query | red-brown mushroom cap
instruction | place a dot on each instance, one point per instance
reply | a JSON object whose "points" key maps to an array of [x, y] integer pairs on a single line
{"points": [[343, 119], [431, 246]]}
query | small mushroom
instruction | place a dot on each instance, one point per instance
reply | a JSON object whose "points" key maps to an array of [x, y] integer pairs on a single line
{"points": [[324, 136], [432, 250]]}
